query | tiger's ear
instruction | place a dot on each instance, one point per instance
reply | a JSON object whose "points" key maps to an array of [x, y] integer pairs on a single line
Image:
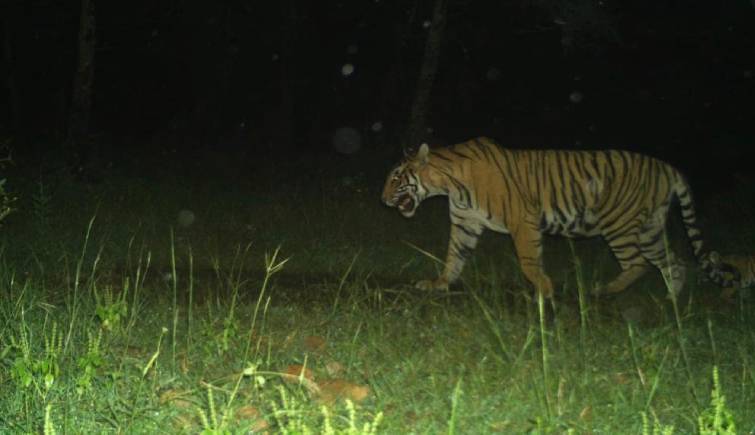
{"points": [[422, 154]]}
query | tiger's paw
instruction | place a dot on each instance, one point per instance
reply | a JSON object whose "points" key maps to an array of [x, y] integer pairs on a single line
{"points": [[434, 284], [598, 289], [612, 288]]}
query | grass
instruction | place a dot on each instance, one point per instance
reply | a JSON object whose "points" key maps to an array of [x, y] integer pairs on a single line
{"points": [[284, 309]]}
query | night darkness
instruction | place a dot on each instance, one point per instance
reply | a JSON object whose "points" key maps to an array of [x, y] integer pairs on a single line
{"points": [[674, 79], [203, 136]]}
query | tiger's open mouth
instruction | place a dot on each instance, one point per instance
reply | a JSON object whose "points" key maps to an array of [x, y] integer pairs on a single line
{"points": [[406, 205]]}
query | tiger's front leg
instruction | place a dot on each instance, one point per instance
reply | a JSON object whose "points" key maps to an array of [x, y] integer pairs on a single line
{"points": [[528, 242], [461, 243]]}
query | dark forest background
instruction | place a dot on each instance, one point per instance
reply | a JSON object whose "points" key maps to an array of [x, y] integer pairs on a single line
{"points": [[670, 78]]}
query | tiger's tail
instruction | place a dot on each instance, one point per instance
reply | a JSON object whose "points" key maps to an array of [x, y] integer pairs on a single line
{"points": [[723, 274]]}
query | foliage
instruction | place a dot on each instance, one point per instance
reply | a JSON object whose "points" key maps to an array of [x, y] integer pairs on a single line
{"points": [[32, 368], [211, 426], [41, 208], [6, 199], [89, 362], [657, 428], [716, 420], [111, 309]]}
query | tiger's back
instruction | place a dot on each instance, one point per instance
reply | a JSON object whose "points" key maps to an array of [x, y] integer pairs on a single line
{"points": [[573, 193]]}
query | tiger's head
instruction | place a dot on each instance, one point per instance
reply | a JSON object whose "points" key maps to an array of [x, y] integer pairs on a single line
{"points": [[404, 188]]}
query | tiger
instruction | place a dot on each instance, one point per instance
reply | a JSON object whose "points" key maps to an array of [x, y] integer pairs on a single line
{"points": [[621, 196], [744, 275]]}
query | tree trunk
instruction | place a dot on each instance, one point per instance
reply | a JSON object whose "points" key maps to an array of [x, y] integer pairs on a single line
{"points": [[286, 125], [10, 79], [394, 80], [416, 130], [81, 149]]}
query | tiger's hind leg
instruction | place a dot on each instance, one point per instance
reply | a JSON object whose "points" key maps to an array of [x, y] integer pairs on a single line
{"points": [[655, 249], [626, 249], [624, 279]]}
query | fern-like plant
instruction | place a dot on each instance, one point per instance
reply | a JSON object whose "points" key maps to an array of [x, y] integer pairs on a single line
{"points": [[717, 419]]}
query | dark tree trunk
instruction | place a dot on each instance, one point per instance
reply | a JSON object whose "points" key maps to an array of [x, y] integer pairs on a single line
{"points": [[9, 81], [81, 149], [417, 127], [286, 125], [211, 115], [394, 81]]}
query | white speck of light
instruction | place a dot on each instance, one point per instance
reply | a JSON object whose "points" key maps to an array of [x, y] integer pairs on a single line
{"points": [[347, 69], [426, 24], [275, 57], [576, 97], [377, 126]]}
